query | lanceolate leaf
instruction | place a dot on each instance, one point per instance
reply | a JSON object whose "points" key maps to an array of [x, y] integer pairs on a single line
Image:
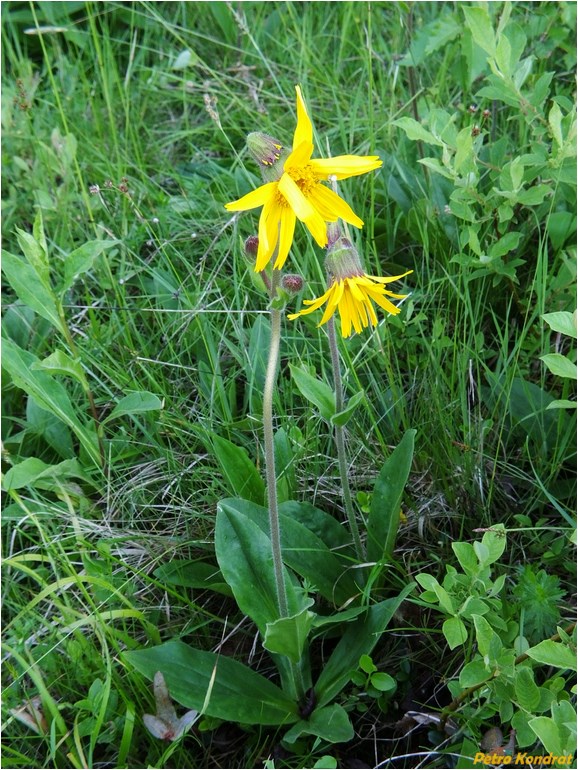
{"points": [[29, 288], [245, 558], [215, 685], [330, 724], [47, 392], [383, 519], [135, 403], [359, 639], [315, 390], [304, 553], [288, 636], [242, 476], [81, 260]]}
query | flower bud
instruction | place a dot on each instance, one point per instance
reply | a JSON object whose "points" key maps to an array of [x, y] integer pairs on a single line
{"points": [[342, 260], [269, 153], [251, 246], [292, 284]]}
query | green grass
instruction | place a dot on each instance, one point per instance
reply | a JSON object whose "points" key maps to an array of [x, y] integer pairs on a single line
{"points": [[172, 310]]}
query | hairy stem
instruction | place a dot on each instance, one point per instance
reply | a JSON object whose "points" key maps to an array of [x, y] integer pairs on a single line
{"points": [[340, 442], [271, 476]]}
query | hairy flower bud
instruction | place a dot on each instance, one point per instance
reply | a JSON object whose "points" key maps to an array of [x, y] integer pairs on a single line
{"points": [[269, 154], [292, 284], [251, 246], [342, 260]]}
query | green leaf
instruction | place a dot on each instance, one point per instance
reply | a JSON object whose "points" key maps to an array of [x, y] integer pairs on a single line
{"points": [[337, 617], [562, 403], [342, 418], [416, 132], [31, 470], [48, 393], [534, 196], [435, 165], [549, 734], [359, 639], [285, 466], [304, 552], [314, 390], [366, 664], [527, 691], [505, 244], [330, 724], [555, 123], [478, 21], [60, 362], [495, 542], [554, 654], [474, 673], [333, 534], [383, 518], [135, 403], [256, 367], [430, 38], [383, 682], [193, 574], [245, 557], [241, 475], [81, 260], [288, 636], [484, 634], [467, 557], [455, 632], [30, 289], [215, 685], [35, 252], [560, 365], [562, 322]]}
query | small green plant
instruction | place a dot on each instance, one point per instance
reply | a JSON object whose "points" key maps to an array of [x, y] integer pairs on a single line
{"points": [[561, 365], [539, 595], [502, 677]]}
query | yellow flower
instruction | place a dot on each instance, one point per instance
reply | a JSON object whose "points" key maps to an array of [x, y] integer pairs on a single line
{"points": [[297, 192], [352, 292]]}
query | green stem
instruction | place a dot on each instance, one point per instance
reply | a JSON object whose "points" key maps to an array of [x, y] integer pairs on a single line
{"points": [[271, 476], [340, 442], [87, 389]]}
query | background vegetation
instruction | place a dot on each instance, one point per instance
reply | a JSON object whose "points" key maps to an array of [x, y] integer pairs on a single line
{"points": [[125, 123]]}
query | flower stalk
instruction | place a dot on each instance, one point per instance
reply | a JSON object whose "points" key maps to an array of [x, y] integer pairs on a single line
{"points": [[340, 442], [270, 472]]}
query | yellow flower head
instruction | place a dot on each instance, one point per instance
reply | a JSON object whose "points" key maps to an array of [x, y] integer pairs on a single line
{"points": [[297, 192], [352, 292]]}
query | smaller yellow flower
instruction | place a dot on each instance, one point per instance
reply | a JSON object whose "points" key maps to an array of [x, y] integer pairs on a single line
{"points": [[352, 292]]}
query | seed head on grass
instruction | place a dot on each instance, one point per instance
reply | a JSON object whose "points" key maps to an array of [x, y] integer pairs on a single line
{"points": [[293, 189]]}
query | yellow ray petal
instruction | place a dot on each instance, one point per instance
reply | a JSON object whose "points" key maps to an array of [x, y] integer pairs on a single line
{"points": [[389, 279], [383, 302], [295, 198], [315, 304], [300, 155], [336, 294], [325, 200], [344, 166], [268, 233], [304, 129], [303, 209], [329, 310], [286, 230], [255, 198]]}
